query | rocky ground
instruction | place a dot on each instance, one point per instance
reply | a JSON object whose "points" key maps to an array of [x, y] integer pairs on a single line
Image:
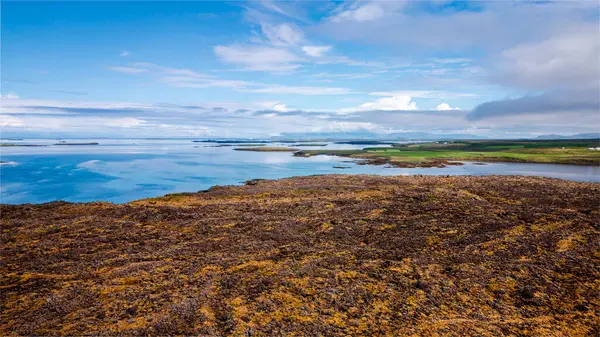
{"points": [[328, 255]]}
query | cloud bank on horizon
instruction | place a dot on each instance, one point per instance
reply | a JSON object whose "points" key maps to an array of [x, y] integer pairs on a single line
{"points": [[259, 69]]}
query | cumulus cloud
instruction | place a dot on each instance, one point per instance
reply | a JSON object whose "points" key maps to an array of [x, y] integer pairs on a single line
{"points": [[125, 53], [445, 106], [274, 106], [386, 103], [315, 51]]}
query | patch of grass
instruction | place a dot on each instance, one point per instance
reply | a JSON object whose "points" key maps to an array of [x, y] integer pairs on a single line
{"points": [[558, 152]]}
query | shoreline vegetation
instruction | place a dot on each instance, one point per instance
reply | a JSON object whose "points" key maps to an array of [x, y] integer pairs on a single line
{"points": [[441, 154], [333, 255]]}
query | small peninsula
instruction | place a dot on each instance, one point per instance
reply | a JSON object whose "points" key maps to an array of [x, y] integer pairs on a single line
{"points": [[443, 153]]}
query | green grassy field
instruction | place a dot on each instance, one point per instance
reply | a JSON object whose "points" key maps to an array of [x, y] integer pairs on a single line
{"points": [[553, 151]]}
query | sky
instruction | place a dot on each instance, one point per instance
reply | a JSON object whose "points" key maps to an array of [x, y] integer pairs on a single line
{"points": [[496, 69]]}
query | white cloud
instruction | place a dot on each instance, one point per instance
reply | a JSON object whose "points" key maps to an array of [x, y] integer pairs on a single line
{"points": [[495, 26], [369, 12], [187, 78], [299, 90], [328, 77], [275, 106], [125, 122], [342, 126], [315, 51], [258, 58], [411, 93], [167, 70], [129, 70], [566, 60], [194, 82], [139, 119], [125, 53], [425, 94], [445, 106], [385, 104], [10, 95], [282, 35], [10, 121], [452, 60]]}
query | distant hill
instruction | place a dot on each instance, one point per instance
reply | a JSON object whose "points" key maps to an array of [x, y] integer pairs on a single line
{"points": [[577, 136]]}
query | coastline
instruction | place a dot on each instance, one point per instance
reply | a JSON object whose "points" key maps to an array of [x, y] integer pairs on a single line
{"points": [[368, 159], [441, 154]]}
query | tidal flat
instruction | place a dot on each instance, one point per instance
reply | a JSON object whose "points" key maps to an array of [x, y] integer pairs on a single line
{"points": [[331, 255]]}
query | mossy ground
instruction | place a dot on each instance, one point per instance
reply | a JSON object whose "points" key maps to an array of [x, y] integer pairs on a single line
{"points": [[328, 255]]}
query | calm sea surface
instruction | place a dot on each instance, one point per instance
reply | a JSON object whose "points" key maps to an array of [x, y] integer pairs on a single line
{"points": [[129, 169]]}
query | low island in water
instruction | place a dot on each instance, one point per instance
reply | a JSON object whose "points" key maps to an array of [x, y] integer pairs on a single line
{"points": [[332, 255], [442, 153]]}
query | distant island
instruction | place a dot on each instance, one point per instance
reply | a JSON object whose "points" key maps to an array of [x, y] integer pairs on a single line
{"points": [[443, 153], [17, 144], [76, 143], [576, 136]]}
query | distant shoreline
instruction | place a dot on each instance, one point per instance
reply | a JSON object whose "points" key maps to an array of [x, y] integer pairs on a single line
{"points": [[442, 154]]}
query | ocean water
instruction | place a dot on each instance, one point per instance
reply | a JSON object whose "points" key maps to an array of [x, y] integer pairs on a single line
{"points": [[129, 169]]}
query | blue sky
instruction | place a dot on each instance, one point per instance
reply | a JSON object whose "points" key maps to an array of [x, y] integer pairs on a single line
{"points": [[258, 69]]}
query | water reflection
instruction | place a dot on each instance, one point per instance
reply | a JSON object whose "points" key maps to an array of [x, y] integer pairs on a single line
{"points": [[125, 170]]}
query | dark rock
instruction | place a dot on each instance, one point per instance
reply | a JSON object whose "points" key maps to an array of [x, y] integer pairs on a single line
{"points": [[526, 293], [131, 311]]}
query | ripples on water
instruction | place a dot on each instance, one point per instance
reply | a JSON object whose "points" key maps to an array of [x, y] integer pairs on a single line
{"points": [[129, 169]]}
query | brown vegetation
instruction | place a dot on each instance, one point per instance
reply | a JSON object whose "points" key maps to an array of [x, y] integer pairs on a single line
{"points": [[328, 255]]}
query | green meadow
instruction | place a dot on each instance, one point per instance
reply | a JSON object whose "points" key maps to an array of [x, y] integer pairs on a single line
{"points": [[581, 152]]}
